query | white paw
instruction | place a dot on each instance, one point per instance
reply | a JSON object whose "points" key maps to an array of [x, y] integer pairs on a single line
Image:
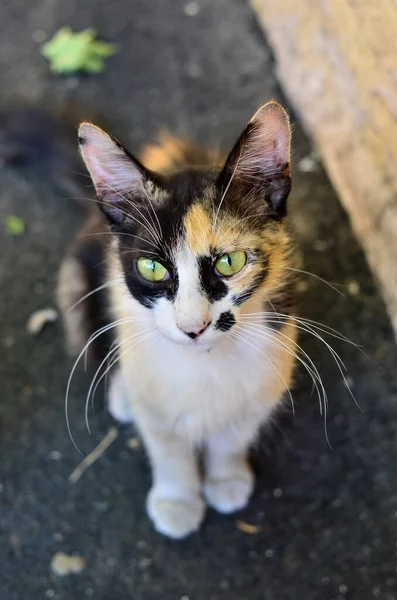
{"points": [[231, 493], [175, 517], [118, 405]]}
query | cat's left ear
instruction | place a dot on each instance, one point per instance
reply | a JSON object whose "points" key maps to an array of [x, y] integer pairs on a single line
{"points": [[260, 158], [119, 179]]}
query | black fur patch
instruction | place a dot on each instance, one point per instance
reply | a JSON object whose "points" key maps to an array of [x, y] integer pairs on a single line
{"points": [[213, 285], [284, 303], [239, 299], [225, 322], [136, 241]]}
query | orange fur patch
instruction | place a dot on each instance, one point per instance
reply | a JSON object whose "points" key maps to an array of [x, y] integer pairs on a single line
{"points": [[170, 154], [231, 234], [198, 230]]}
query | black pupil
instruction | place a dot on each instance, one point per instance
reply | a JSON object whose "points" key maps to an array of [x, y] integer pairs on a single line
{"points": [[229, 260]]}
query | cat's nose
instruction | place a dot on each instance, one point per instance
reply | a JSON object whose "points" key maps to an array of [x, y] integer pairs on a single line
{"points": [[194, 333]]}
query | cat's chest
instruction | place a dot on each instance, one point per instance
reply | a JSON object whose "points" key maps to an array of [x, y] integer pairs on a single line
{"points": [[201, 389]]}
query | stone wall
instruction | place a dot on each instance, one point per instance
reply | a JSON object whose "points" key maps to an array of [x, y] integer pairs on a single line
{"points": [[337, 62]]}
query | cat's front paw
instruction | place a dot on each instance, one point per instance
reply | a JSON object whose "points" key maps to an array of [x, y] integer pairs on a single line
{"points": [[176, 518], [229, 494]]}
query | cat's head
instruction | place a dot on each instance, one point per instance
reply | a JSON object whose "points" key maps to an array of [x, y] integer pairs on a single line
{"points": [[198, 247]]}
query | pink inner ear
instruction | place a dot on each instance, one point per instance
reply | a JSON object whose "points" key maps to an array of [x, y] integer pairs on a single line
{"points": [[100, 172], [106, 162], [268, 145]]}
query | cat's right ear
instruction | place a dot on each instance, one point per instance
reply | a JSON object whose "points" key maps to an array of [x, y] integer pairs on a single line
{"points": [[119, 179]]}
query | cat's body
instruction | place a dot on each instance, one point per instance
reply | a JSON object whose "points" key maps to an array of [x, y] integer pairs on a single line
{"points": [[201, 297]]}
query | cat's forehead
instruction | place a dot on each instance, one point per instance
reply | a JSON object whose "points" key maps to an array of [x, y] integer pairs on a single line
{"points": [[205, 222]]}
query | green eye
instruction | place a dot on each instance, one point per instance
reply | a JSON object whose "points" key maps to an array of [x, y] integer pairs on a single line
{"points": [[230, 264], [151, 269]]}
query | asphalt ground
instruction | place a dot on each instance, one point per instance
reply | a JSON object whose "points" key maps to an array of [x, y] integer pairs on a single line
{"points": [[325, 524]]}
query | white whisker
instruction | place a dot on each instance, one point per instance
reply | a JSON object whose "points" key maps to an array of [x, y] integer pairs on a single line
{"points": [[149, 227], [307, 326], [97, 289], [92, 385], [92, 338], [111, 233], [310, 368], [265, 354], [308, 273], [225, 192]]}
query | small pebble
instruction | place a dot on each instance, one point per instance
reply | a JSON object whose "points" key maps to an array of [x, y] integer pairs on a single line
{"points": [[353, 287], [134, 443], [184, 597], [224, 586], [247, 527], [269, 553], [343, 589], [49, 593], [55, 455], [39, 318], [308, 164], [89, 592], [191, 9], [277, 492], [64, 564]]}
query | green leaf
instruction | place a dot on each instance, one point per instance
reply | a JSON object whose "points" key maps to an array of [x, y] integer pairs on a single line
{"points": [[69, 52], [15, 225]]}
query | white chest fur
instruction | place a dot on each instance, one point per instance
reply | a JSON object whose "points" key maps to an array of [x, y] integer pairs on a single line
{"points": [[198, 392]]}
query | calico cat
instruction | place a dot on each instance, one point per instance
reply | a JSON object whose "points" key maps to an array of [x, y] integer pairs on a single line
{"points": [[201, 297]]}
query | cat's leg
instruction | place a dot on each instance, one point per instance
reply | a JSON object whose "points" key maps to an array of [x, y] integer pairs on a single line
{"points": [[72, 286], [80, 280], [119, 404], [174, 504], [229, 480]]}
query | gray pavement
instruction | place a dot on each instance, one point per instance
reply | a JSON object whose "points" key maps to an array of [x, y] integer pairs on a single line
{"points": [[326, 519]]}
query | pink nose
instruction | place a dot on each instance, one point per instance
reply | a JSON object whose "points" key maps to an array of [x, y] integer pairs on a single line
{"points": [[195, 333]]}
